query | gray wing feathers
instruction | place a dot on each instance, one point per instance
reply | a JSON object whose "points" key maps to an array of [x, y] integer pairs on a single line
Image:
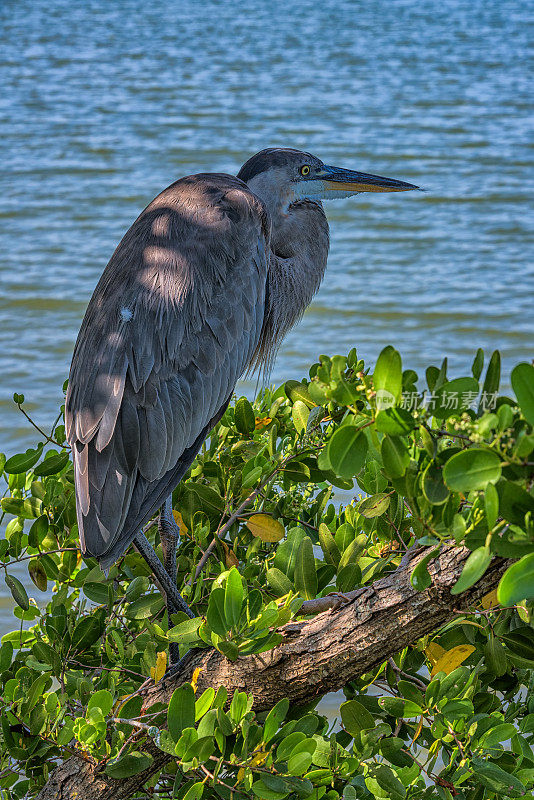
{"points": [[145, 382]]}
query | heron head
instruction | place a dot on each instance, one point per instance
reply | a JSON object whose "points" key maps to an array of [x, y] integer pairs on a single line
{"points": [[281, 176]]}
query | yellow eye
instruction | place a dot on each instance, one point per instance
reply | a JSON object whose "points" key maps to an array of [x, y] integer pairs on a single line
{"points": [[305, 170]]}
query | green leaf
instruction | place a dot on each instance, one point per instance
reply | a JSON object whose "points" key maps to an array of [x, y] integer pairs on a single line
{"points": [[395, 456], [181, 711], [517, 583], [355, 717], [500, 733], [102, 700], [457, 709], [395, 421], [472, 469], [523, 386], [420, 577], [478, 363], [301, 757], [300, 413], [245, 420], [38, 531], [215, 615], [496, 779], [346, 451], [86, 633], [298, 392], [44, 653], [261, 790], [474, 568], [233, 598], [454, 397], [195, 791], [391, 750], [275, 717], [145, 606], [374, 506], [434, 488], [22, 462], [204, 703], [297, 472], [381, 779], [520, 642], [37, 573], [28, 508], [286, 553], [495, 656], [229, 649], [352, 552], [491, 505], [130, 764], [491, 381], [66, 733], [18, 592], [212, 502], [36, 691], [348, 577], [278, 582], [305, 572], [97, 592], [204, 747], [387, 378], [328, 545], [185, 632], [399, 708], [514, 502], [52, 465], [6, 656]]}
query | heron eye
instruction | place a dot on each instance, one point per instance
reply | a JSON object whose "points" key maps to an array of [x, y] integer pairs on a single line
{"points": [[305, 170]]}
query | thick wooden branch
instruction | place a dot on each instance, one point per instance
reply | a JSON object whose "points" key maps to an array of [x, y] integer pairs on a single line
{"points": [[318, 656]]}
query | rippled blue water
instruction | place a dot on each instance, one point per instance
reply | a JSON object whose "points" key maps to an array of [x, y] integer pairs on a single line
{"points": [[104, 104]]}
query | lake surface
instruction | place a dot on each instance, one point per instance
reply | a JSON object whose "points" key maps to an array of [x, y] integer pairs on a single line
{"points": [[104, 104]]}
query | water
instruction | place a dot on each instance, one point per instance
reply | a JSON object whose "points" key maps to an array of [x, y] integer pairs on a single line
{"points": [[104, 104]]}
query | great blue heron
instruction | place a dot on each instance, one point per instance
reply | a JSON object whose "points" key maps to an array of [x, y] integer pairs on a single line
{"points": [[203, 286]]}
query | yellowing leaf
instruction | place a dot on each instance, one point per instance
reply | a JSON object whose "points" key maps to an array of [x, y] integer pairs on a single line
{"points": [[418, 731], [262, 422], [240, 774], [265, 528], [258, 759], [194, 679], [157, 672], [434, 652], [490, 600], [452, 659], [179, 521], [230, 558]]}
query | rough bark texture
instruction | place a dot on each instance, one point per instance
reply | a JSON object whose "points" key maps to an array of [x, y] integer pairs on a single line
{"points": [[319, 656]]}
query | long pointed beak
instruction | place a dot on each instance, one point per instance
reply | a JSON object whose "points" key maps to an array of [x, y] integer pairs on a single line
{"points": [[337, 179]]}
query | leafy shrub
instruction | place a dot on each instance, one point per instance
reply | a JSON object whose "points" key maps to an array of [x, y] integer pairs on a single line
{"points": [[452, 716]]}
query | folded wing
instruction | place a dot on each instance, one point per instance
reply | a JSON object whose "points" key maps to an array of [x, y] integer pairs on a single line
{"points": [[174, 321]]}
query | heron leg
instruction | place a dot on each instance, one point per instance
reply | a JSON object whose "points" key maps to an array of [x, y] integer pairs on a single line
{"points": [[166, 583], [169, 534]]}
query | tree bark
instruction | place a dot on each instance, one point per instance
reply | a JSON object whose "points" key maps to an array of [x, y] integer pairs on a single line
{"points": [[318, 656]]}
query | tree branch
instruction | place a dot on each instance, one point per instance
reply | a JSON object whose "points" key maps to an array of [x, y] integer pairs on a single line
{"points": [[318, 656]]}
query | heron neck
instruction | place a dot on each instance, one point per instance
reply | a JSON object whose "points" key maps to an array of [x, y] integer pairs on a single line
{"points": [[299, 251]]}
